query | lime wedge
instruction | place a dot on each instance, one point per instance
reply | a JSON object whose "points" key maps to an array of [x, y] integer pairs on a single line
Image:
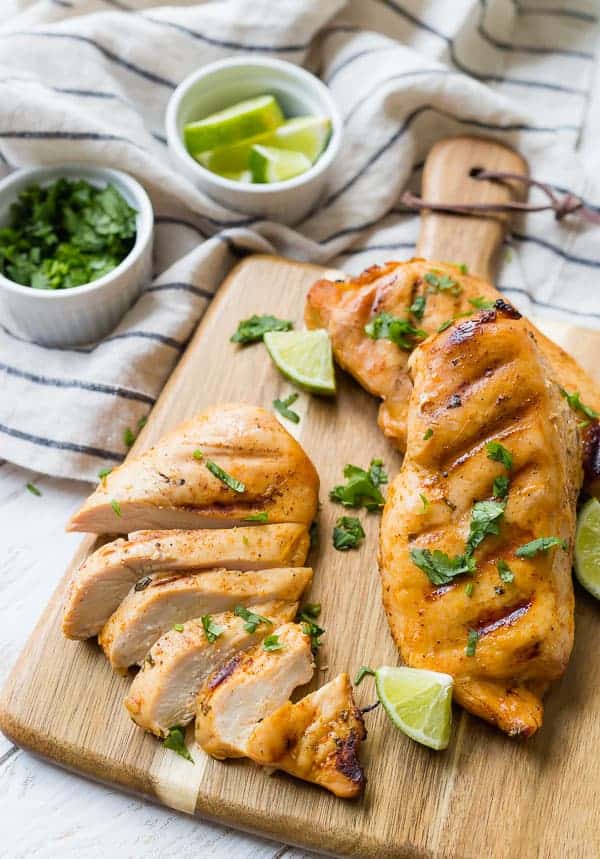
{"points": [[587, 547], [245, 119], [269, 164], [304, 357], [238, 176], [418, 702], [305, 134]]}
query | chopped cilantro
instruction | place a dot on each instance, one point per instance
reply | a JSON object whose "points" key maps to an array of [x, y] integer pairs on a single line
{"points": [[362, 673], [253, 329], [348, 533], [469, 589], [178, 627], [197, 454], [362, 488], [142, 423], [65, 234], [314, 632], [211, 629], [263, 516], [252, 620], [282, 407], [463, 268], [500, 487], [427, 434], [417, 308], [574, 400], [402, 332], [504, 571], [499, 453], [103, 474], [439, 282], [424, 500], [472, 639], [542, 544], [445, 325], [310, 611], [33, 489], [224, 477], [116, 507], [485, 522], [272, 642], [481, 303], [439, 567], [128, 436], [175, 740]]}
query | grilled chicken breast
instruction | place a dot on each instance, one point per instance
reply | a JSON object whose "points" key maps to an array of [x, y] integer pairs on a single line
{"points": [[316, 739], [174, 484], [103, 580], [428, 294], [247, 688], [505, 639], [144, 615], [163, 693]]}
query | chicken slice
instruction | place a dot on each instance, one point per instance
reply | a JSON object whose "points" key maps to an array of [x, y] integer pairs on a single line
{"points": [[144, 615], [103, 580], [163, 693], [436, 292], [171, 485], [503, 640], [248, 688], [317, 739]]}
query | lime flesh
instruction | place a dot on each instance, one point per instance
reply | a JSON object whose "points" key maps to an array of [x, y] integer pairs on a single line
{"points": [[304, 357], [305, 134], [269, 164], [238, 122], [587, 547], [418, 702]]}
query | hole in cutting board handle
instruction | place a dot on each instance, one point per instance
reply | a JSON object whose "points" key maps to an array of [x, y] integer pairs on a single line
{"points": [[476, 171]]}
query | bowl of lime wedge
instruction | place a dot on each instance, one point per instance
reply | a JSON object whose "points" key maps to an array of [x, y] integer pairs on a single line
{"points": [[258, 135]]}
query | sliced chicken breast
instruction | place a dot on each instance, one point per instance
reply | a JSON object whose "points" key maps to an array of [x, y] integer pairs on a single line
{"points": [[223, 466], [103, 580], [163, 693], [248, 688], [144, 615], [317, 739]]}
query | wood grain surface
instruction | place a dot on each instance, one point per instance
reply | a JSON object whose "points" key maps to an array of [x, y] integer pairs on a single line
{"points": [[486, 796]]}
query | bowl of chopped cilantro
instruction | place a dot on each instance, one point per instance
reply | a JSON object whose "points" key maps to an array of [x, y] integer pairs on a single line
{"points": [[75, 251]]}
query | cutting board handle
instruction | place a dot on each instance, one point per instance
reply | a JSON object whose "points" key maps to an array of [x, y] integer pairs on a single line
{"points": [[447, 178]]}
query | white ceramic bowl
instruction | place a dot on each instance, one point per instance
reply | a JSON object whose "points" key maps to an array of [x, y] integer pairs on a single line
{"points": [[67, 317], [222, 84]]}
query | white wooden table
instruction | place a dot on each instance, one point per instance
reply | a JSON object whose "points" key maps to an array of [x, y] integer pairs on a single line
{"points": [[45, 810]]}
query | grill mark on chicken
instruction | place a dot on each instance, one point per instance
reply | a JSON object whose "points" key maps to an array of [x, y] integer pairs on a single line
{"points": [[507, 309], [225, 671], [505, 616], [346, 756]]}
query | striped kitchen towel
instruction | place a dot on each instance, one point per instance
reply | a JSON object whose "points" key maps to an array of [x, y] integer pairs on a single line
{"points": [[89, 80]]}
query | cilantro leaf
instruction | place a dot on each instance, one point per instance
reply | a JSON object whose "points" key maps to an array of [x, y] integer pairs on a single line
{"points": [[542, 544], [175, 740], [362, 487], [504, 571], [485, 521], [362, 673], [402, 332], [500, 487], [33, 489], [224, 477], [499, 453], [253, 329], [574, 400], [263, 516], [282, 407], [252, 620], [481, 303], [348, 533], [439, 282], [472, 639], [211, 629], [439, 567], [417, 308], [272, 642]]}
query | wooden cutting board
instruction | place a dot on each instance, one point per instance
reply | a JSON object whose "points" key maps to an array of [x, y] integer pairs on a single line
{"points": [[487, 795]]}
